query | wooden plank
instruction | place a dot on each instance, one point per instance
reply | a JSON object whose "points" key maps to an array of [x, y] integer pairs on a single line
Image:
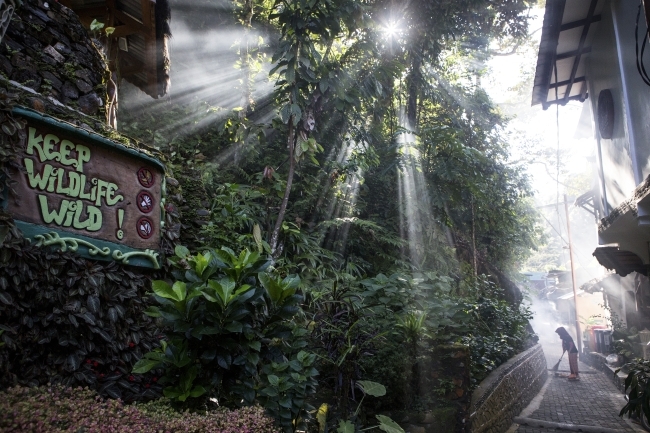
{"points": [[149, 22], [566, 83], [129, 64], [87, 15], [550, 47], [94, 11], [579, 23], [125, 18], [581, 45], [126, 30], [568, 54], [124, 180], [111, 22]]}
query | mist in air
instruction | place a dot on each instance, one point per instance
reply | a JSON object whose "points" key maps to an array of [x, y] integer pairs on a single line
{"points": [[557, 149], [204, 53]]}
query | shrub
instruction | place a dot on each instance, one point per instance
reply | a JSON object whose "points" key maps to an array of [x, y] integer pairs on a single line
{"points": [[500, 331], [231, 333], [58, 409], [388, 329], [638, 383], [72, 321]]}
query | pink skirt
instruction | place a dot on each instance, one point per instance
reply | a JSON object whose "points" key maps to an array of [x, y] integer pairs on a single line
{"points": [[573, 363]]}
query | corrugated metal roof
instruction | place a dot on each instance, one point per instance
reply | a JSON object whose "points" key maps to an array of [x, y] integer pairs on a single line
{"points": [[623, 262], [567, 35]]}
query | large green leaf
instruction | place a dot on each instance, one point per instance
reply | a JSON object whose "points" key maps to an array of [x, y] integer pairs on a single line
{"points": [[225, 290], [197, 391], [388, 425], [201, 262], [372, 388], [181, 251], [152, 312], [164, 290], [145, 365], [180, 289], [345, 427], [279, 290], [187, 378], [273, 379], [291, 282]]}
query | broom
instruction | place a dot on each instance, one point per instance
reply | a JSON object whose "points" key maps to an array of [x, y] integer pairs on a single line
{"points": [[556, 366]]}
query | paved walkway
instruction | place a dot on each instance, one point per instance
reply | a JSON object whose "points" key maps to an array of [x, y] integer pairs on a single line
{"points": [[594, 401]]}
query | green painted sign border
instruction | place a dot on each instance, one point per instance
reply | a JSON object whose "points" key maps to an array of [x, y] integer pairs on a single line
{"points": [[84, 134], [83, 245], [88, 247]]}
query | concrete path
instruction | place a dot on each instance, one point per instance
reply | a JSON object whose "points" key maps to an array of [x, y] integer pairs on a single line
{"points": [[590, 405]]}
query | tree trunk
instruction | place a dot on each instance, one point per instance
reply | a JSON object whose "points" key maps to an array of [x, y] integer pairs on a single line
{"points": [[287, 191], [413, 87], [475, 258]]}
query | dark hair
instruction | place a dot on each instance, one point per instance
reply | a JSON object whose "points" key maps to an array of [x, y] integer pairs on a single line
{"points": [[562, 332]]}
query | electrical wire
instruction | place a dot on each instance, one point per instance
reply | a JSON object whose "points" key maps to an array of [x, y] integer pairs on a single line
{"points": [[639, 59], [557, 133], [554, 229], [557, 165]]}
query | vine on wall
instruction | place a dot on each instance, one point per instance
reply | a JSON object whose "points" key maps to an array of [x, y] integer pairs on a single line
{"points": [[65, 319]]}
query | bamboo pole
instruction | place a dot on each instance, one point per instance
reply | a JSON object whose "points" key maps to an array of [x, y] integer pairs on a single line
{"points": [[573, 276]]}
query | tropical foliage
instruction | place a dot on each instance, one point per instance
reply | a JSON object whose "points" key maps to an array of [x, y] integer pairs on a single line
{"points": [[375, 170], [329, 236]]}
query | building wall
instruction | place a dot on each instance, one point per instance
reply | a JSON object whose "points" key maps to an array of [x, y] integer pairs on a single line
{"points": [[638, 93], [615, 157], [624, 160], [589, 307]]}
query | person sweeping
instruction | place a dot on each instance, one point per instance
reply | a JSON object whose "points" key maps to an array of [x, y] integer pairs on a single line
{"points": [[569, 346]]}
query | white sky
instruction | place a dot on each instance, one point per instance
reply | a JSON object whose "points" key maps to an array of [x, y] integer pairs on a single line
{"points": [[535, 125]]}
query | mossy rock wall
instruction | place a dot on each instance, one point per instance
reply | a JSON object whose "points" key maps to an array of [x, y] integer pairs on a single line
{"points": [[48, 50], [65, 319], [507, 391]]}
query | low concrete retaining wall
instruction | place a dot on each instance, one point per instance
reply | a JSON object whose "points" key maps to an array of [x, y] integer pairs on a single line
{"points": [[507, 391]]}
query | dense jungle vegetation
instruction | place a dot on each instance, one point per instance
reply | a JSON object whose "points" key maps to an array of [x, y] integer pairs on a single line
{"points": [[344, 222], [376, 178]]}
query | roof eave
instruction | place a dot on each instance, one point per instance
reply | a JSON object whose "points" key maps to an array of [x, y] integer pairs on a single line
{"points": [[547, 50]]}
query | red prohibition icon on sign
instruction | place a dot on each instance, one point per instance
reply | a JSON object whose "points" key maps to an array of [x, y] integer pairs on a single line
{"points": [[145, 202], [146, 177], [145, 228]]}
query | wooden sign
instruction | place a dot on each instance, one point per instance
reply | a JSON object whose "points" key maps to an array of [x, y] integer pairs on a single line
{"points": [[83, 192]]}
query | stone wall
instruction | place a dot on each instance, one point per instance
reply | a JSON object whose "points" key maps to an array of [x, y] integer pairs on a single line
{"points": [[507, 390], [48, 50]]}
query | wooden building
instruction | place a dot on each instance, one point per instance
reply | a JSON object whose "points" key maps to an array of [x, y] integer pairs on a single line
{"points": [[137, 48]]}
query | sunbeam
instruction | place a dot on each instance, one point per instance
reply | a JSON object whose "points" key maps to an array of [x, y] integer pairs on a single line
{"points": [[344, 194], [413, 194]]}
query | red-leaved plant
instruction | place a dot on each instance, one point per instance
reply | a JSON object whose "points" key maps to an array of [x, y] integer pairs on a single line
{"points": [[58, 409]]}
